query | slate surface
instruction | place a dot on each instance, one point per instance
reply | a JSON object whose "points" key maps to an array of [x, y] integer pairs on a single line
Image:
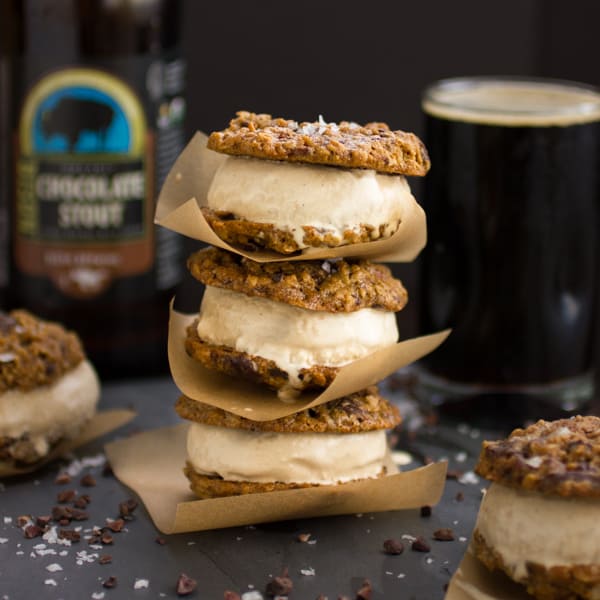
{"points": [[345, 551]]}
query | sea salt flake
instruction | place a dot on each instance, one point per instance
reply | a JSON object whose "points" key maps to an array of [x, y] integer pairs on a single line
{"points": [[468, 478], [462, 539], [51, 536], [429, 560], [401, 575], [8, 520], [389, 573], [410, 538], [78, 465], [460, 457], [253, 595], [310, 571], [83, 556], [54, 567], [141, 584], [98, 595], [534, 462], [47, 582], [3, 540]]}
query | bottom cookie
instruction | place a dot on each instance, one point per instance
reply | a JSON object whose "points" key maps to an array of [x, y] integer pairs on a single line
{"points": [[212, 486], [207, 486], [253, 235], [561, 582], [254, 368]]}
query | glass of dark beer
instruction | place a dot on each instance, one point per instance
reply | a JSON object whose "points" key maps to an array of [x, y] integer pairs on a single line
{"points": [[512, 262]]}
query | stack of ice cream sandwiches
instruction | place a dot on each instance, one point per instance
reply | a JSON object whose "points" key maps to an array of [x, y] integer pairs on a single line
{"points": [[290, 324]]}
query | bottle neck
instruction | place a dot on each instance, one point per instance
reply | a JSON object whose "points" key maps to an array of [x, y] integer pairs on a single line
{"points": [[64, 30]]}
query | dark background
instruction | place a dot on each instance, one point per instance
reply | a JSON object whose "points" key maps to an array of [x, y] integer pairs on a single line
{"points": [[370, 60]]}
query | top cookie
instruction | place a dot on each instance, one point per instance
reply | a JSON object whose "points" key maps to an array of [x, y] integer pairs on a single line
{"points": [[372, 146], [34, 352], [555, 458], [342, 285]]}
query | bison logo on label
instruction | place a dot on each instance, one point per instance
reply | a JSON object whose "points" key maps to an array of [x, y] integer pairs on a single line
{"points": [[80, 120]]}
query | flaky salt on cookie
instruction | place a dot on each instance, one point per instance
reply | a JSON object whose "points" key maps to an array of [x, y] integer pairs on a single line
{"points": [[538, 521], [279, 189], [48, 390], [290, 325], [340, 441]]}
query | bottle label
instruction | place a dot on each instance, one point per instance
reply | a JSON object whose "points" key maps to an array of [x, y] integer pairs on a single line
{"points": [[84, 182]]}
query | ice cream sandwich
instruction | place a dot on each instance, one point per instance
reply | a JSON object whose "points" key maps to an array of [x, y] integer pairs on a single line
{"points": [[539, 520], [48, 390], [337, 442], [287, 186], [290, 325]]}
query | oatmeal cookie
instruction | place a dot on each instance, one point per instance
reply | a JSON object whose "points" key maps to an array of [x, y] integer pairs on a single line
{"points": [[571, 582], [556, 458], [342, 285], [251, 235], [372, 146], [253, 368], [362, 411], [34, 352], [211, 486], [22, 450]]}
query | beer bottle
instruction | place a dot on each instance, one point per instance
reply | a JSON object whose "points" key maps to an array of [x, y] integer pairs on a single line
{"points": [[97, 116]]}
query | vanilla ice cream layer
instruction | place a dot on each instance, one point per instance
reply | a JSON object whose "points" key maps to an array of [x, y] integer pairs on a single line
{"points": [[293, 195], [325, 458], [526, 527], [52, 410], [293, 337]]}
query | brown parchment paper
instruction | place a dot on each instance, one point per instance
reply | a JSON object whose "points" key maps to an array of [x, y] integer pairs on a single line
{"points": [[473, 581], [261, 404], [151, 464], [186, 186], [102, 423]]}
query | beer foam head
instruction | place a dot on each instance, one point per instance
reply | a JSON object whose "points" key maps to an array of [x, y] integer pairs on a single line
{"points": [[512, 101]]}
